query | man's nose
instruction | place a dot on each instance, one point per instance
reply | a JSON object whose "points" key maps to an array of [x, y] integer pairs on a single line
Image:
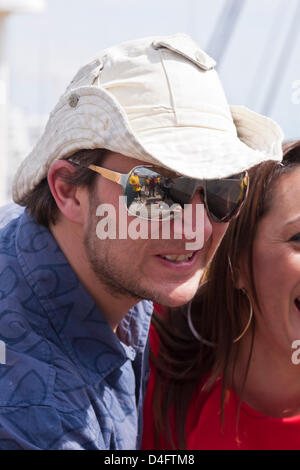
{"points": [[196, 223]]}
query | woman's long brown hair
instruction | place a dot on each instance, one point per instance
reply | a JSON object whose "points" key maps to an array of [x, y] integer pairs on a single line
{"points": [[219, 313]]}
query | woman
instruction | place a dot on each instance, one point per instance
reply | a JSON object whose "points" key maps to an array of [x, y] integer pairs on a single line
{"points": [[238, 335]]}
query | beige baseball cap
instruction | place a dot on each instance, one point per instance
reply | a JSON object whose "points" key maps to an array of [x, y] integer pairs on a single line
{"points": [[158, 100]]}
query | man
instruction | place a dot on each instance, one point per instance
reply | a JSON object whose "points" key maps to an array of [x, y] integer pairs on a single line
{"points": [[73, 318], [135, 185]]}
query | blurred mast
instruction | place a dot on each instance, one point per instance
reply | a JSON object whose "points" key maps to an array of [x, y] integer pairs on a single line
{"points": [[266, 61], [282, 62], [224, 29], [7, 8]]}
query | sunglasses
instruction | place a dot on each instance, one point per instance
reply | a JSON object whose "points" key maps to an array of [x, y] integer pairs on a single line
{"points": [[154, 193]]}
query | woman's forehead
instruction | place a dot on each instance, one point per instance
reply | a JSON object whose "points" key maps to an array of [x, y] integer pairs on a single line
{"points": [[285, 198]]}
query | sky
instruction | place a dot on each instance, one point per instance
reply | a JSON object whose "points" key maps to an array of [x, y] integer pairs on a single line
{"points": [[260, 67]]}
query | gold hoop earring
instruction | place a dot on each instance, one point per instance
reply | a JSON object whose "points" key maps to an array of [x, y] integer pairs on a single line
{"points": [[230, 269], [210, 343], [194, 332], [249, 320]]}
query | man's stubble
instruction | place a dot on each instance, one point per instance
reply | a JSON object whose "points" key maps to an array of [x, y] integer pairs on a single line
{"points": [[120, 278]]}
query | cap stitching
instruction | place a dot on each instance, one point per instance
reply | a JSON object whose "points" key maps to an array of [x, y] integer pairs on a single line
{"points": [[169, 86]]}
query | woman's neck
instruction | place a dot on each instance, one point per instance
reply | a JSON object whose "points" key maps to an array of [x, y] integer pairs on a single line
{"points": [[273, 381]]}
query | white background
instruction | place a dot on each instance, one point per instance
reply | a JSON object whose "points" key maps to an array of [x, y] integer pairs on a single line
{"points": [[45, 50]]}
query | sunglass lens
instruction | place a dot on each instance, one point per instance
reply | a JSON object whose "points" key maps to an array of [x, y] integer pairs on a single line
{"points": [[158, 195], [149, 195], [225, 196]]}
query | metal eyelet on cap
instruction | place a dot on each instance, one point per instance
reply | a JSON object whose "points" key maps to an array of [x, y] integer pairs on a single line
{"points": [[73, 100]]}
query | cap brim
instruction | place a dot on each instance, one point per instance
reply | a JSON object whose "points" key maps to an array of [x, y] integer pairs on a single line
{"points": [[98, 121], [201, 153]]}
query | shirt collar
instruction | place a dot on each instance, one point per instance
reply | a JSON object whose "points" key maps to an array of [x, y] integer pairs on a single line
{"points": [[81, 326]]}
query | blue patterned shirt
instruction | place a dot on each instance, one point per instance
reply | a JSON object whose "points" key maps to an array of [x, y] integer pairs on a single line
{"points": [[68, 381]]}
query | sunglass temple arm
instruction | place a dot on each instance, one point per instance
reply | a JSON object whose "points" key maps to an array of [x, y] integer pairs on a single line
{"points": [[109, 174]]}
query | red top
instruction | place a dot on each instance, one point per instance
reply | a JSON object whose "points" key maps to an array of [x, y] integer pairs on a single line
{"points": [[203, 427]]}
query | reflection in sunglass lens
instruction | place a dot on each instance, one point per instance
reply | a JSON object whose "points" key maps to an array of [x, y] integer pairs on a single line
{"points": [[148, 194], [160, 195]]}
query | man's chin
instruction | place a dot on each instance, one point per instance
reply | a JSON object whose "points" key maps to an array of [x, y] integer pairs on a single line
{"points": [[174, 303], [177, 297]]}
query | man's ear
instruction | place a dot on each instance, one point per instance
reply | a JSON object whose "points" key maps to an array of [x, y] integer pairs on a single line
{"points": [[71, 200]]}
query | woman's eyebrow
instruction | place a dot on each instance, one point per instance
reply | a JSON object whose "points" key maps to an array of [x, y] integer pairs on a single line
{"points": [[293, 221]]}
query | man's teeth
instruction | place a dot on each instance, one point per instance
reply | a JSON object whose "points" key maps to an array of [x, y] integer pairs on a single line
{"points": [[177, 258]]}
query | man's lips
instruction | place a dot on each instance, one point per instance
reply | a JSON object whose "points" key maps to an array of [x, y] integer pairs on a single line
{"points": [[178, 260], [178, 257]]}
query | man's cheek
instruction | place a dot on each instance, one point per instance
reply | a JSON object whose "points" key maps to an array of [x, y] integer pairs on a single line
{"points": [[218, 233]]}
